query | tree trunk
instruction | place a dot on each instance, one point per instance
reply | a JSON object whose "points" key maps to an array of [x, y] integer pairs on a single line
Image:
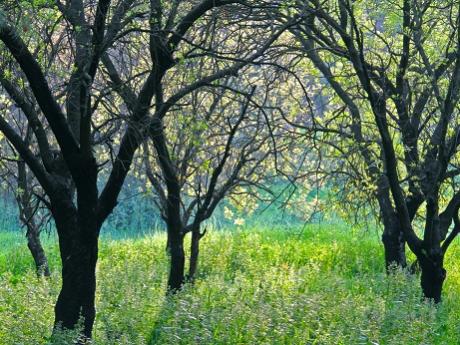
{"points": [[194, 253], [175, 242], [394, 244], [433, 276], [27, 217], [78, 230], [176, 251], [37, 251], [76, 301], [392, 237]]}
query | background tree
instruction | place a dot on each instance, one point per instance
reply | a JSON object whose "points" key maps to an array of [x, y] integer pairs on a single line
{"points": [[20, 181], [218, 145], [219, 46], [414, 115]]}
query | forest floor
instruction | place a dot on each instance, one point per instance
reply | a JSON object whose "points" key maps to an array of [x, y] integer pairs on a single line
{"points": [[322, 285]]}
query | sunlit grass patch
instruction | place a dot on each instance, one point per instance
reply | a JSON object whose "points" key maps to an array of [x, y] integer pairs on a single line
{"points": [[322, 285]]}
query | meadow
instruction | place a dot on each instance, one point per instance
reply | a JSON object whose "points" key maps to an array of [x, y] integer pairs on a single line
{"points": [[319, 285]]}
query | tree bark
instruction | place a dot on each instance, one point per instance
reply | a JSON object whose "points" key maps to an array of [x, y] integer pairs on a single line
{"points": [[176, 251], [431, 254], [37, 251], [175, 241], [79, 254], [194, 253], [26, 215], [175, 238], [393, 244], [393, 238], [77, 297], [78, 228], [433, 275]]}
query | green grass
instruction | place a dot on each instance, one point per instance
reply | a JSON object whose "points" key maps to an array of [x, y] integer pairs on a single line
{"points": [[324, 285]]}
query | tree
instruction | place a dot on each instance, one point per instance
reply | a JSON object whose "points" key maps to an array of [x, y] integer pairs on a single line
{"points": [[411, 96], [217, 48], [19, 180], [217, 145], [79, 36], [70, 167]]}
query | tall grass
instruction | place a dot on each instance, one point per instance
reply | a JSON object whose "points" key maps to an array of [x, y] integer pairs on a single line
{"points": [[322, 285]]}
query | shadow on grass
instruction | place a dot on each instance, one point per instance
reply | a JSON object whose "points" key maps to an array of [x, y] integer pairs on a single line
{"points": [[165, 315]]}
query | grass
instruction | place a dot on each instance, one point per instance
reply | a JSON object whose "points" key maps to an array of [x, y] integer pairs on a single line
{"points": [[323, 285]]}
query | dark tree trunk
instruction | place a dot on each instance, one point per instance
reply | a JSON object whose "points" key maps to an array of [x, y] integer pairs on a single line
{"points": [[175, 241], [27, 216], [194, 252], [79, 253], [77, 297], [176, 251], [37, 251], [394, 244], [433, 276], [431, 252], [78, 229], [392, 237]]}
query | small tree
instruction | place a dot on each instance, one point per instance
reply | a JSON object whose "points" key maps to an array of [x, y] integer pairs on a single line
{"points": [[18, 179], [219, 46], [221, 144]]}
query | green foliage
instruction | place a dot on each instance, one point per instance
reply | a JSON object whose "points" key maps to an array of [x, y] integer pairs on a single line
{"points": [[323, 285]]}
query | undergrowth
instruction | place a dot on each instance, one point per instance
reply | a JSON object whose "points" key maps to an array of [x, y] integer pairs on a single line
{"points": [[323, 285]]}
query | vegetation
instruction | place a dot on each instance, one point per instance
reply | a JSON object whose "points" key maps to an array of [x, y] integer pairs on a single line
{"points": [[122, 116], [256, 286]]}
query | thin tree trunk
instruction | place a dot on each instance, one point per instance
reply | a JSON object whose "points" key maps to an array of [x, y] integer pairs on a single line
{"points": [[26, 214], [174, 224], [194, 253], [38, 253], [175, 241]]}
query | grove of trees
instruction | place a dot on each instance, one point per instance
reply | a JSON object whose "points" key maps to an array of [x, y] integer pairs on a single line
{"points": [[210, 100]]}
